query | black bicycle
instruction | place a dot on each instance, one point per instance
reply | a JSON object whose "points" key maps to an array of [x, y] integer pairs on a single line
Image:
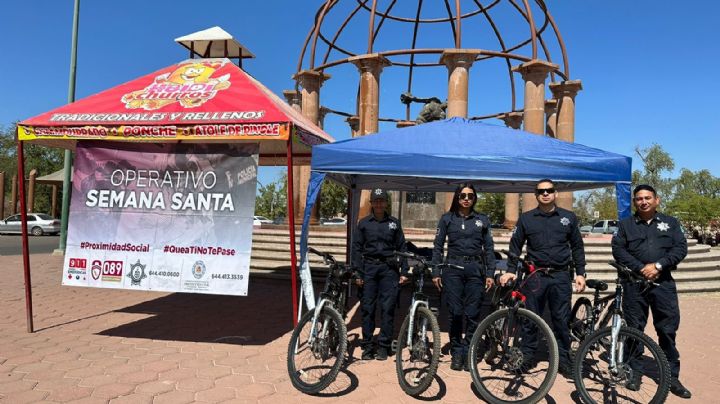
{"points": [[586, 316], [506, 348], [418, 345], [319, 342], [617, 363]]}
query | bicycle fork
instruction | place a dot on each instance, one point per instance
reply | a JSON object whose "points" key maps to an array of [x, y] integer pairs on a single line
{"points": [[411, 322]]}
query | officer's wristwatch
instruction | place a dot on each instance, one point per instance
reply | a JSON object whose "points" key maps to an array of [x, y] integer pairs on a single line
{"points": [[658, 266]]}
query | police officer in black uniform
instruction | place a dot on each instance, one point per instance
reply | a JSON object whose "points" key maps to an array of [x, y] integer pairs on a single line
{"points": [[470, 245], [379, 272], [554, 242], [652, 244]]}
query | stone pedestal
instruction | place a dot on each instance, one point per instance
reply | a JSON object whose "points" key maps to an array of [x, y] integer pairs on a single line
{"points": [[565, 93], [534, 73], [551, 117]]}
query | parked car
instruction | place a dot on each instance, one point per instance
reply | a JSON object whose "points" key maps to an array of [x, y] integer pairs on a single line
{"points": [[603, 227], [259, 220], [335, 221], [37, 225]]}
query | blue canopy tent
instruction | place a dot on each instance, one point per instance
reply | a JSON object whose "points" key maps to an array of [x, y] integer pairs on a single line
{"points": [[438, 156]]}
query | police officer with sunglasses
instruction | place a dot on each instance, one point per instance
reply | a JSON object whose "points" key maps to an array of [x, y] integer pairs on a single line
{"points": [[470, 245], [553, 243]]}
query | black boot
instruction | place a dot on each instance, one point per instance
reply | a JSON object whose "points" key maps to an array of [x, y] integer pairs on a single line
{"points": [[457, 362], [678, 389]]}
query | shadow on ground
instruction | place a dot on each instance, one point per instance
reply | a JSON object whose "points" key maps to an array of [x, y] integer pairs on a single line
{"points": [[257, 319]]}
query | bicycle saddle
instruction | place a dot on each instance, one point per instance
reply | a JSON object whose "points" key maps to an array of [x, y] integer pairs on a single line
{"points": [[595, 284]]}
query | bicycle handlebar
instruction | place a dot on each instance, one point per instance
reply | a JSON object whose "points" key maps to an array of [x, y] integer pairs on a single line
{"points": [[629, 274]]}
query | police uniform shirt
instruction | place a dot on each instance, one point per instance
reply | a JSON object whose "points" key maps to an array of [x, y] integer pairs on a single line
{"points": [[638, 242], [377, 239], [466, 237], [548, 236]]}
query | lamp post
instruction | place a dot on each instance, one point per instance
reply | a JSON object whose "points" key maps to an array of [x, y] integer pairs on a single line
{"points": [[67, 165]]}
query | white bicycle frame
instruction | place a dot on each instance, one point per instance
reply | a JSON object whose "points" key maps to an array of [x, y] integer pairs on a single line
{"points": [[318, 309], [413, 309]]}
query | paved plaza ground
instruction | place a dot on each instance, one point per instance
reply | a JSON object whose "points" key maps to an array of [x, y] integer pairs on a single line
{"points": [[99, 346]]}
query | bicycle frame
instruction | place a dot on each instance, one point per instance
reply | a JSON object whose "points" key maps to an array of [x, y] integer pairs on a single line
{"points": [[333, 294], [419, 299]]}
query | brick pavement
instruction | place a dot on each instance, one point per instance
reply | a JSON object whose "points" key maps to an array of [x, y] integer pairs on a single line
{"points": [[102, 345]]}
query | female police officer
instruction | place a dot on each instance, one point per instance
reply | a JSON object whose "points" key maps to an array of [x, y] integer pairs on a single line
{"points": [[376, 238], [470, 245]]}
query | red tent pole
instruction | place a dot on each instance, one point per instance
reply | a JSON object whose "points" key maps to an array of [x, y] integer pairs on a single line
{"points": [[291, 224], [25, 250]]}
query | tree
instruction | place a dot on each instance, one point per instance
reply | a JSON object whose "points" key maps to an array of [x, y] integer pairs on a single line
{"points": [[655, 163], [271, 200], [601, 200], [333, 199], [44, 159], [492, 205]]}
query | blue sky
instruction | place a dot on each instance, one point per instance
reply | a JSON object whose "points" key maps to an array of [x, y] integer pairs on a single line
{"points": [[647, 67]]}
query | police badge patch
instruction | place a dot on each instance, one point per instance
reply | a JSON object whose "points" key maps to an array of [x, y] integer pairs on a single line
{"points": [[478, 223], [565, 221], [392, 225], [137, 273], [662, 226]]}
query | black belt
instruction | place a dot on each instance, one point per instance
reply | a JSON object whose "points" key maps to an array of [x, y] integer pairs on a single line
{"points": [[464, 258], [552, 268], [378, 260]]}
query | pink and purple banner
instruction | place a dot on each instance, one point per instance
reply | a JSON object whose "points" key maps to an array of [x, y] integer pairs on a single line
{"points": [[164, 217]]}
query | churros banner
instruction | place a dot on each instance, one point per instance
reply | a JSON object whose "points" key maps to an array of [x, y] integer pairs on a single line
{"points": [[165, 217], [194, 99]]}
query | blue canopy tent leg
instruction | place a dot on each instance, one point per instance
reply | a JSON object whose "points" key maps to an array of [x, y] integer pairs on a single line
{"points": [[622, 194], [306, 286]]}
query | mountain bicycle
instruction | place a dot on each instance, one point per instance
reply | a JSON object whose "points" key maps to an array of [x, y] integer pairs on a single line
{"points": [[504, 360], [318, 343], [418, 346], [611, 361]]}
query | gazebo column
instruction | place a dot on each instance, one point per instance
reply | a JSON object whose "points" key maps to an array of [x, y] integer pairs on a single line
{"points": [[565, 93], [31, 190], [13, 195], [2, 195], [458, 63], [512, 120], [310, 81], [370, 66], [293, 98], [534, 73]]}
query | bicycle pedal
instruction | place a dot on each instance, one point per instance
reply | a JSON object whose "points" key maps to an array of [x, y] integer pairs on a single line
{"points": [[394, 345]]}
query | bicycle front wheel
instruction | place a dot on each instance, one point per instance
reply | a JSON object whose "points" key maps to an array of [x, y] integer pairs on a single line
{"points": [[641, 373], [514, 357], [312, 366], [580, 326], [416, 363]]}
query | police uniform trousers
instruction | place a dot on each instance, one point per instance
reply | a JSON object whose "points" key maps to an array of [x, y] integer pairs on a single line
{"points": [[463, 291], [380, 288], [556, 288], [663, 301]]}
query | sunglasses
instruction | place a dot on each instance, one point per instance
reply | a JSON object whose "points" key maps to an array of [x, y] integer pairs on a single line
{"points": [[541, 191], [469, 195]]}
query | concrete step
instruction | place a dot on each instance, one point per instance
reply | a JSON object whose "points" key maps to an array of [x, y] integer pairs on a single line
{"points": [[698, 273]]}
